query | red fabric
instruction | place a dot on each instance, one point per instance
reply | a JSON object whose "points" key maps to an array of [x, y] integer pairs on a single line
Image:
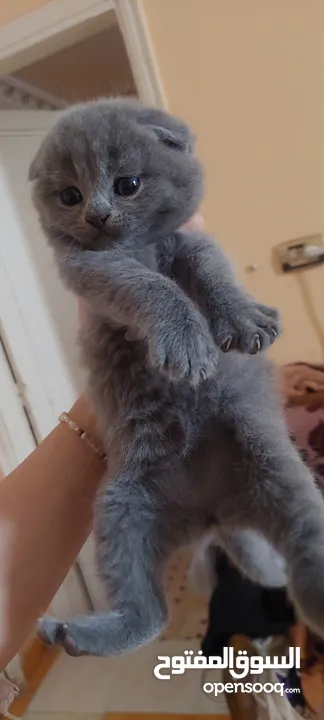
{"points": [[306, 426]]}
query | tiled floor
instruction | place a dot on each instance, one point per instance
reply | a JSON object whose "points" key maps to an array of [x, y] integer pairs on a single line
{"points": [[91, 687]]}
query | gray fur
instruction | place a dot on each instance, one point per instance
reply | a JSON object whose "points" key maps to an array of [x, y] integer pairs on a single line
{"points": [[249, 550], [194, 435]]}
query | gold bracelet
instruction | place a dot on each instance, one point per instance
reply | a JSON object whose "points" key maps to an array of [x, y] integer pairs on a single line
{"points": [[64, 418]]}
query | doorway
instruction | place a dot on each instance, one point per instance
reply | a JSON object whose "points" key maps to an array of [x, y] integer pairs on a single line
{"points": [[96, 66]]}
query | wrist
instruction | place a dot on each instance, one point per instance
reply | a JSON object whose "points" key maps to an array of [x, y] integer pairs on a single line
{"points": [[82, 414]]}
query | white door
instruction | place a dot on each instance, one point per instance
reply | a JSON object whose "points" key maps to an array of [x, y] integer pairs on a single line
{"points": [[38, 315], [16, 435]]}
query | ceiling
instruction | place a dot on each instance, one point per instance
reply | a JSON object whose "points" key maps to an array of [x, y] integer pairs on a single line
{"points": [[94, 67]]}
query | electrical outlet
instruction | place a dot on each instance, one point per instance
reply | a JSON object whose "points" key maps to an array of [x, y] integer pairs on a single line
{"points": [[300, 253]]}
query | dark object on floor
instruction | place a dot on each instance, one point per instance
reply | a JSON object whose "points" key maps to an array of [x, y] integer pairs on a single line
{"points": [[239, 606]]}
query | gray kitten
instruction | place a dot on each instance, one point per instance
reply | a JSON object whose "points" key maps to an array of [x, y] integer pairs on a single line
{"points": [[187, 407]]}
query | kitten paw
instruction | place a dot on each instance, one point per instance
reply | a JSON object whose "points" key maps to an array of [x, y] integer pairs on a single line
{"points": [[54, 632], [188, 352], [254, 328]]}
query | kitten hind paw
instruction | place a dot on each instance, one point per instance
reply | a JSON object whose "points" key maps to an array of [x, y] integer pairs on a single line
{"points": [[54, 632]]}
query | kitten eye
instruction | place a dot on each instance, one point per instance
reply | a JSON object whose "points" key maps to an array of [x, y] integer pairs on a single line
{"points": [[71, 196], [127, 186]]}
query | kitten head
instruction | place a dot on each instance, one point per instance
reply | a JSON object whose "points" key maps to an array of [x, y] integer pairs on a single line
{"points": [[111, 170]]}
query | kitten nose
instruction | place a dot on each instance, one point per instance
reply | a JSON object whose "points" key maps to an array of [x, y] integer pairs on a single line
{"points": [[96, 219]]}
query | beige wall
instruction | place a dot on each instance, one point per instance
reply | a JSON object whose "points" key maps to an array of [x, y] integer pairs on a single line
{"points": [[249, 77], [12, 9]]}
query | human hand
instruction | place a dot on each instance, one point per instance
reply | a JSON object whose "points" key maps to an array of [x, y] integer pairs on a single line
{"points": [[196, 222]]}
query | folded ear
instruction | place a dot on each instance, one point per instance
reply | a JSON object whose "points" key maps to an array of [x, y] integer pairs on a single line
{"points": [[169, 130], [174, 139], [32, 172]]}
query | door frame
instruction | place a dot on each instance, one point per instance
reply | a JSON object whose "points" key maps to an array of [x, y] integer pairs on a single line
{"points": [[59, 23]]}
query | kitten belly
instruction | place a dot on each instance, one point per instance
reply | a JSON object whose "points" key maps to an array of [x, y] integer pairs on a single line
{"points": [[125, 389]]}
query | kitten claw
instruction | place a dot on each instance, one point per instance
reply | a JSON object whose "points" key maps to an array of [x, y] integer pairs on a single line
{"points": [[256, 345], [227, 345], [253, 329]]}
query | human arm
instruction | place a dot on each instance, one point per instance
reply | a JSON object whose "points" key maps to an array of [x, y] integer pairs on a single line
{"points": [[46, 507], [205, 274]]}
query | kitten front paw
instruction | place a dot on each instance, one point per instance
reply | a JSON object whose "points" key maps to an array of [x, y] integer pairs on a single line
{"points": [[185, 352], [253, 328]]}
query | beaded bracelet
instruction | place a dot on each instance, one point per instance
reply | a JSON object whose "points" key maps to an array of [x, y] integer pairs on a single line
{"points": [[64, 418]]}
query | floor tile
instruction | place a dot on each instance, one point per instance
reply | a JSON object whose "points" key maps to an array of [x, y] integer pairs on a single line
{"points": [[77, 685]]}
